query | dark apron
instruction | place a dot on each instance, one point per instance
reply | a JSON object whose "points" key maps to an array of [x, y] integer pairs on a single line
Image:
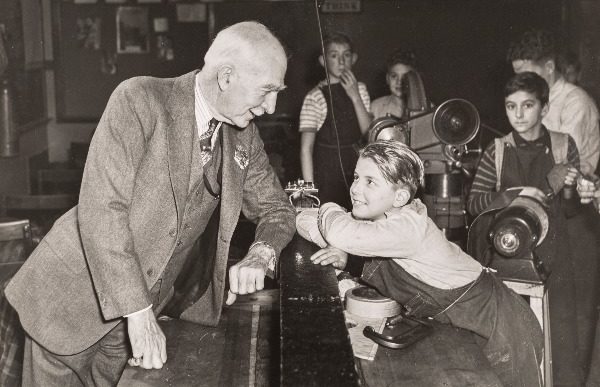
{"points": [[332, 152], [507, 329], [528, 166]]}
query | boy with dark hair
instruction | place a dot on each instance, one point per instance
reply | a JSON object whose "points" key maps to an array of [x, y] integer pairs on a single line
{"points": [[542, 161], [413, 262], [332, 122], [572, 111]]}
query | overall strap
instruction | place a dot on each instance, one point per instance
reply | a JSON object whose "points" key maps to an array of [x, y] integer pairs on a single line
{"points": [[560, 146], [500, 143]]}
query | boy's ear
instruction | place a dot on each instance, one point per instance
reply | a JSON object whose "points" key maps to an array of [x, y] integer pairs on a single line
{"points": [[224, 76], [545, 109], [402, 197], [321, 60], [550, 66], [354, 58]]}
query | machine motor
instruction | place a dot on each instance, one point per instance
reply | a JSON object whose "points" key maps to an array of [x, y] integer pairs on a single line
{"points": [[506, 238]]}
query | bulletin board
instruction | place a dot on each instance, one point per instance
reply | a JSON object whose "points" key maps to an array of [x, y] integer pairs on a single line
{"points": [[93, 53]]}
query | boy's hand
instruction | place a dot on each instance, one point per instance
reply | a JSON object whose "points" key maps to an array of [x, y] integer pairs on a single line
{"points": [[560, 175], [330, 256], [588, 190], [350, 85]]}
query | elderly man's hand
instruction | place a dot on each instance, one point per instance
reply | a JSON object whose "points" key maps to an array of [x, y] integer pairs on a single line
{"points": [[148, 341], [248, 275]]}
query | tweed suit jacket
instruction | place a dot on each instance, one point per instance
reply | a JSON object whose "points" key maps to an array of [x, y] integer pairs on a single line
{"points": [[100, 260]]}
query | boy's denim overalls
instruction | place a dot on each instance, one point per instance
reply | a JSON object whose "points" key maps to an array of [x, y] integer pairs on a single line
{"points": [[510, 334]]}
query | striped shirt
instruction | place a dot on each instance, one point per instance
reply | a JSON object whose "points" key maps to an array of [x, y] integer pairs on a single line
{"points": [[483, 189], [314, 107]]}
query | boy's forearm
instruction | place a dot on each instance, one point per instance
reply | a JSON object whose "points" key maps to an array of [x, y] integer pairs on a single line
{"points": [[478, 201], [362, 115], [306, 225], [365, 238], [307, 142], [306, 163]]}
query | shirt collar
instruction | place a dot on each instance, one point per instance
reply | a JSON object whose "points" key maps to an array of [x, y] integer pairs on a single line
{"points": [[543, 140], [202, 110], [556, 88]]}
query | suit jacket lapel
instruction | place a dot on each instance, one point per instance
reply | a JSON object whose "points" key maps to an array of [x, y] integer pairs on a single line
{"points": [[180, 135]]}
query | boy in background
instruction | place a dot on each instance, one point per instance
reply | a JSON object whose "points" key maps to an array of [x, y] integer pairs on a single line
{"points": [[413, 262], [332, 124], [399, 63], [544, 161], [570, 110]]}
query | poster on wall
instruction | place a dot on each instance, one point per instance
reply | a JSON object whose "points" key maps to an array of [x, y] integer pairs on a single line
{"points": [[132, 30], [89, 32]]}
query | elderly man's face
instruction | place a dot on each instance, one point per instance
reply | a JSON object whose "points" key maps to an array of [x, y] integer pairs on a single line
{"points": [[254, 89]]}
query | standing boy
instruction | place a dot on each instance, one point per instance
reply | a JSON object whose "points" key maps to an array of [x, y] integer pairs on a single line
{"points": [[532, 156], [399, 64], [332, 122], [570, 110]]}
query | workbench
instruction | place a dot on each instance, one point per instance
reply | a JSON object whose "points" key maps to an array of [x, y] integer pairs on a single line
{"points": [[297, 336]]}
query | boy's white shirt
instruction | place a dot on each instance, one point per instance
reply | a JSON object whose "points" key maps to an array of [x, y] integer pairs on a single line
{"points": [[407, 235]]}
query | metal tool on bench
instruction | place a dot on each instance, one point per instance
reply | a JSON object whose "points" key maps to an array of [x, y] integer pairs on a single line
{"points": [[400, 329], [302, 194]]}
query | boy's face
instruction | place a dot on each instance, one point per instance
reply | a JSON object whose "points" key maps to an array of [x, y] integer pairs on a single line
{"points": [[544, 69], [394, 78], [372, 195], [525, 112], [338, 58]]}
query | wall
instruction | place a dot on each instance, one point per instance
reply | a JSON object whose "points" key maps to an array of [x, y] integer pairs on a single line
{"points": [[25, 76], [460, 44]]}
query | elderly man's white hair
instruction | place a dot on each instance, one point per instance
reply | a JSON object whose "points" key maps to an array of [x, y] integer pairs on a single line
{"points": [[239, 41]]}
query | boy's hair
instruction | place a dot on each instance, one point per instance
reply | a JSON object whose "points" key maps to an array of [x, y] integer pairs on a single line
{"points": [[338, 38], [400, 56], [397, 163], [529, 82], [534, 45], [569, 59]]}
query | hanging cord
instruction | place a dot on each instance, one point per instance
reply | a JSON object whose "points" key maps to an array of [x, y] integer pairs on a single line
{"points": [[335, 129]]}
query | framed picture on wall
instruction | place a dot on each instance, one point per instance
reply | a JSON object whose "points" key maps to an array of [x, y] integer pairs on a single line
{"points": [[133, 30]]}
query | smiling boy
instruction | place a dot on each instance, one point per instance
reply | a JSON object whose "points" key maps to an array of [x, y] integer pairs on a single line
{"points": [[412, 262]]}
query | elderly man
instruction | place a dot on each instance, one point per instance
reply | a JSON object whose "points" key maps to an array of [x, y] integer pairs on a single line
{"points": [[167, 156]]}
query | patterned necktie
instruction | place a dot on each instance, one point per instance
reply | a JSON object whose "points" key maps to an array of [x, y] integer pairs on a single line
{"points": [[205, 141]]}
